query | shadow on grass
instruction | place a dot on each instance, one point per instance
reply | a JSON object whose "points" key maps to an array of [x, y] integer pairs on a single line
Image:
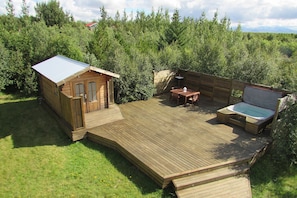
{"points": [[145, 184], [29, 124]]}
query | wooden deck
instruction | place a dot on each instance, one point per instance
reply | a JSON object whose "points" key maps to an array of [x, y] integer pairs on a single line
{"points": [[104, 116], [168, 142], [95, 119]]}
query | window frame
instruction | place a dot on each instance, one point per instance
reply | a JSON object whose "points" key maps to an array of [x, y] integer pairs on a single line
{"points": [[79, 89]]}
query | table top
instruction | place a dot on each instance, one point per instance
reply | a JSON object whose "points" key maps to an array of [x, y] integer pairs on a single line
{"points": [[187, 93]]}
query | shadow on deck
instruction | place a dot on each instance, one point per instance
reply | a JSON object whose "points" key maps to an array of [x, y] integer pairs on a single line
{"points": [[169, 142]]}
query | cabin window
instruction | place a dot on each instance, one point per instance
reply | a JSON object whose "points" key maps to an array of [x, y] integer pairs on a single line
{"points": [[79, 90], [92, 96]]}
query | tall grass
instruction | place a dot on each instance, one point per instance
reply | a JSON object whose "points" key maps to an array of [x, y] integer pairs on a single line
{"points": [[38, 159]]}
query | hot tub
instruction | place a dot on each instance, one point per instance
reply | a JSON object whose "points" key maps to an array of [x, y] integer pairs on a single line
{"points": [[255, 112]]}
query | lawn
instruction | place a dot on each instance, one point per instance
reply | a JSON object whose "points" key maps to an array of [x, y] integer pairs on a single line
{"points": [[39, 160], [269, 180]]}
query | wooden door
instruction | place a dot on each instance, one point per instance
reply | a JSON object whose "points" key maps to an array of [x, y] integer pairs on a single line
{"points": [[102, 94], [94, 93], [92, 96], [79, 89]]}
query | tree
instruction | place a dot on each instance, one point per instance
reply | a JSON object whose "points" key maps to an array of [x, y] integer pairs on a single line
{"points": [[211, 40], [102, 43], [10, 22], [51, 13], [61, 44], [5, 78], [103, 14], [175, 32], [10, 8], [25, 9], [136, 81], [134, 46], [19, 76]]}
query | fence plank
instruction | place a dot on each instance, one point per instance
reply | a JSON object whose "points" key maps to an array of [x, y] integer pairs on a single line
{"points": [[72, 111]]}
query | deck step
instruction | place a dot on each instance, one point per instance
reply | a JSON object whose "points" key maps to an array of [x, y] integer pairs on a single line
{"points": [[236, 186], [209, 176]]}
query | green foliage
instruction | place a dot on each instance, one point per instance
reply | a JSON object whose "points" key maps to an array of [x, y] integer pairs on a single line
{"points": [[121, 51], [285, 136], [13, 72], [208, 46], [22, 77], [259, 70], [25, 42], [175, 33], [170, 55], [5, 78], [286, 76], [25, 9], [134, 47], [102, 43], [61, 44], [273, 180], [51, 13], [10, 8]]}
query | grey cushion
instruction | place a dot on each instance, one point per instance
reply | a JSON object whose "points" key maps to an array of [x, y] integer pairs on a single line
{"points": [[261, 97]]}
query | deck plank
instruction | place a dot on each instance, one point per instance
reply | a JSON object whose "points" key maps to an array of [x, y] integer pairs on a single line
{"points": [[167, 141], [209, 176], [231, 187], [104, 116]]}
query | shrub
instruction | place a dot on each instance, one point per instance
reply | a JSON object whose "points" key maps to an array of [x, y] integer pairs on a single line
{"points": [[285, 136]]}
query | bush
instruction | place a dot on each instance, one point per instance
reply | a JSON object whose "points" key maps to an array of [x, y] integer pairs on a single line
{"points": [[285, 136]]}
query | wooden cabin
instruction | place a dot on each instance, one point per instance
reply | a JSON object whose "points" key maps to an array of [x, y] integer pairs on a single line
{"points": [[72, 88]]}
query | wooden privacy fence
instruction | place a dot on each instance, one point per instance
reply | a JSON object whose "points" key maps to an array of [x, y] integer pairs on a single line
{"points": [[72, 111], [219, 89]]}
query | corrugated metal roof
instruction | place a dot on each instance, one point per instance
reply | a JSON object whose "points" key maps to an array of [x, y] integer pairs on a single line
{"points": [[59, 68]]}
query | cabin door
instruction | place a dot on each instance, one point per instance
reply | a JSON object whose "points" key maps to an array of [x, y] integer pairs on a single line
{"points": [[88, 91], [92, 96], [79, 89], [93, 93]]}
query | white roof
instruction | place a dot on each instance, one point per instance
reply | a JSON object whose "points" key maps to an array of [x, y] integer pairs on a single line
{"points": [[60, 69]]}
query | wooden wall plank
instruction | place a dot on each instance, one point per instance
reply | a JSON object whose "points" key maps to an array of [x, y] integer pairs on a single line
{"points": [[50, 93]]}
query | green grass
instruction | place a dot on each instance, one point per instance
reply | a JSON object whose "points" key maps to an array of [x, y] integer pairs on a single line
{"points": [[269, 180], [38, 159]]}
